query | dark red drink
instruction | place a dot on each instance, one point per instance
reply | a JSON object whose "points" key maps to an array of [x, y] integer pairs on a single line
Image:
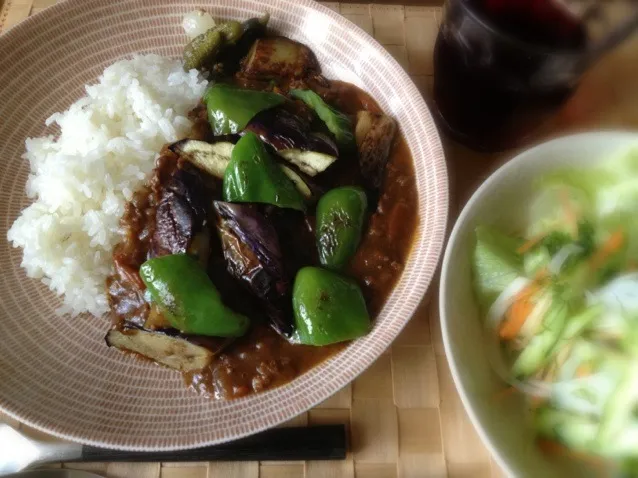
{"points": [[502, 66]]}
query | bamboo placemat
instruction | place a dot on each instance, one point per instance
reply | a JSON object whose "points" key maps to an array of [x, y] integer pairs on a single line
{"points": [[404, 415]]}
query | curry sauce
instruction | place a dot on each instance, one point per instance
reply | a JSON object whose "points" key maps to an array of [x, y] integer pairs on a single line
{"points": [[263, 359]]}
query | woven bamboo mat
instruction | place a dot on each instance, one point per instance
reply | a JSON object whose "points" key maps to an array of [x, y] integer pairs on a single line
{"points": [[404, 415]]}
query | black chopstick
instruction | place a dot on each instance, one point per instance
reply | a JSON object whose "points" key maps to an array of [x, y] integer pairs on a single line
{"points": [[322, 442]]}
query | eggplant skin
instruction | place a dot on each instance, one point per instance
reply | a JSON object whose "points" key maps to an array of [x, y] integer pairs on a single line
{"points": [[374, 134], [260, 241], [184, 203], [253, 255], [279, 57], [173, 352], [213, 159], [284, 130], [290, 135]]}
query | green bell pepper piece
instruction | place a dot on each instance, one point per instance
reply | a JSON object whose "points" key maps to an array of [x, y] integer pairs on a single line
{"points": [[328, 308], [338, 123], [203, 50], [253, 176], [231, 108], [188, 299], [340, 216]]}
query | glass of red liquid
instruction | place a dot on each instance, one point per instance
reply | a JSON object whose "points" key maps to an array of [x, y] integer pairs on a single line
{"points": [[503, 67]]}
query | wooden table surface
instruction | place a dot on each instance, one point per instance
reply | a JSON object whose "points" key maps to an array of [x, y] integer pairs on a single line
{"points": [[404, 415]]}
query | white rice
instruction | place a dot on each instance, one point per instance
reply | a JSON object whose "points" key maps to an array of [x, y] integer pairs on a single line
{"points": [[81, 179]]}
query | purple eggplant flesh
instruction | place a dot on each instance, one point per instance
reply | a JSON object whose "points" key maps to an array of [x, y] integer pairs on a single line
{"points": [[290, 135], [253, 255]]}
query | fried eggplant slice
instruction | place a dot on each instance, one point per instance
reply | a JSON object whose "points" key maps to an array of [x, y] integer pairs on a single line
{"points": [[291, 136], [172, 351], [279, 57], [253, 255], [300, 184], [374, 134], [182, 211], [213, 158], [309, 162]]}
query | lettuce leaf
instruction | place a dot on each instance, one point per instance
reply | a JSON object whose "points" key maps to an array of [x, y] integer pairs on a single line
{"points": [[606, 196], [547, 215], [495, 264]]}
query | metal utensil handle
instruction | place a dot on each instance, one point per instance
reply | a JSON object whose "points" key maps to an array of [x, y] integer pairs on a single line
{"points": [[325, 442]]}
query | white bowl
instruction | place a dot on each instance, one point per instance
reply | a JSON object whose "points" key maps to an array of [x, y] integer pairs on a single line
{"points": [[501, 201]]}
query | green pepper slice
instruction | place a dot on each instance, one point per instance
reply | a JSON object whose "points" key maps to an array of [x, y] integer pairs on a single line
{"points": [[188, 299], [253, 176], [328, 308], [337, 122], [340, 216], [203, 49], [231, 108]]}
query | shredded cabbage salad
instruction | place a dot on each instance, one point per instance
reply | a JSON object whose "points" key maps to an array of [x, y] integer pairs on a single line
{"points": [[560, 305]]}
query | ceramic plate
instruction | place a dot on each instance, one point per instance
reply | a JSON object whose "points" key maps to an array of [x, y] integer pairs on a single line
{"points": [[56, 373]]}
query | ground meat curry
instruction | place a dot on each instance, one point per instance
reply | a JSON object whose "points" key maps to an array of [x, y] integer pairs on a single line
{"points": [[240, 253]]}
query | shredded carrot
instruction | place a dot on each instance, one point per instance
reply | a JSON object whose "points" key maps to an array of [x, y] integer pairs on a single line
{"points": [[536, 402], [609, 247], [570, 214], [527, 245], [505, 393], [555, 448], [517, 314], [541, 274], [583, 371]]}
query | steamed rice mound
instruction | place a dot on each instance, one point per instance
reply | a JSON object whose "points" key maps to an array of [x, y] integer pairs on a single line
{"points": [[81, 179]]}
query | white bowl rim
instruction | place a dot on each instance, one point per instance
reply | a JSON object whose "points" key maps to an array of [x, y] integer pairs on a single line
{"points": [[476, 197]]}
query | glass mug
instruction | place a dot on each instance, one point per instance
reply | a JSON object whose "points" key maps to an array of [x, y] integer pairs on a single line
{"points": [[503, 67]]}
